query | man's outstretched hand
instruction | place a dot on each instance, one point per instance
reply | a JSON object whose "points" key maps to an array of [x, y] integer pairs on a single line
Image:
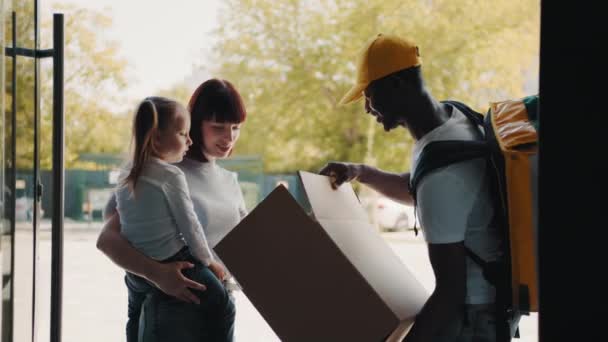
{"points": [[341, 172]]}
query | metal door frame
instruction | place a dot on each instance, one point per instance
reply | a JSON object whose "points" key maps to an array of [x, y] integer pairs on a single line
{"points": [[57, 54]]}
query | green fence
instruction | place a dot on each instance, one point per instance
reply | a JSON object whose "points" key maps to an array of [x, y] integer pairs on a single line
{"points": [[87, 191]]}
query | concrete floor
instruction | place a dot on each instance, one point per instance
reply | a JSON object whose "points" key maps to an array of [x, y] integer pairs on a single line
{"points": [[94, 306]]}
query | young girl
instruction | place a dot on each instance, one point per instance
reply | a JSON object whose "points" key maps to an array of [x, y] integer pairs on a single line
{"points": [[157, 215]]}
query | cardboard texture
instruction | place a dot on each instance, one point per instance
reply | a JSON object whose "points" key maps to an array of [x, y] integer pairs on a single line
{"points": [[327, 278]]}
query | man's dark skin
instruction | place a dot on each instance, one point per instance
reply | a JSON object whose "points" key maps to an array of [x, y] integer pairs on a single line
{"points": [[401, 99]]}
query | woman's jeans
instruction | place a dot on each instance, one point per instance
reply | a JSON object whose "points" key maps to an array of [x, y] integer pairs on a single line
{"points": [[155, 317]]}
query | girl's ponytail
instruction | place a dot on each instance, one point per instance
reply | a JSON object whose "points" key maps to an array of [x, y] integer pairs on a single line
{"points": [[153, 115]]}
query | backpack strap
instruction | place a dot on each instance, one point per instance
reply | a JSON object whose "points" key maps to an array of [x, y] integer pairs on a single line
{"points": [[473, 116], [438, 154], [476, 258], [508, 321], [442, 153]]}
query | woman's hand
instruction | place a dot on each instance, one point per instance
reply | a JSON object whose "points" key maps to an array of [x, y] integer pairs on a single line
{"points": [[168, 277]]}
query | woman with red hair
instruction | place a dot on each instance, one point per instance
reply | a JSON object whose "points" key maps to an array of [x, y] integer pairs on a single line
{"points": [[217, 114]]}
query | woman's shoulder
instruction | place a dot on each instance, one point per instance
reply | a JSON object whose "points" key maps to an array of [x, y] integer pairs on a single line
{"points": [[226, 172], [227, 175], [198, 169]]}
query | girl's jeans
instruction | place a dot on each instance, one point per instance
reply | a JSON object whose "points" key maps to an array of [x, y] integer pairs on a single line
{"points": [[154, 316]]}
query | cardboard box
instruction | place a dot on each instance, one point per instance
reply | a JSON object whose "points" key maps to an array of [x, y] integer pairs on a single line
{"points": [[329, 277]]}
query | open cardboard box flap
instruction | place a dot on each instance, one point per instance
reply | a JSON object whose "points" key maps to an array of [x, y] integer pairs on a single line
{"points": [[327, 278]]}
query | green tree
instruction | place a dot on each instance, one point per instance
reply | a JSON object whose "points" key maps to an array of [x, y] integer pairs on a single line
{"points": [[93, 72], [94, 81], [293, 60], [24, 85]]}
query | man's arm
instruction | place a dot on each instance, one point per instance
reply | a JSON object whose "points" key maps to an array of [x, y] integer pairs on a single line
{"points": [[392, 185], [166, 276], [440, 310]]}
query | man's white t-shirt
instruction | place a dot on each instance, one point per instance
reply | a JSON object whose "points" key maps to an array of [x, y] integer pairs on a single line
{"points": [[454, 205]]}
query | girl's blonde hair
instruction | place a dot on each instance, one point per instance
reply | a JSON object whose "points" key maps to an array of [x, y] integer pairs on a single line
{"points": [[153, 115]]}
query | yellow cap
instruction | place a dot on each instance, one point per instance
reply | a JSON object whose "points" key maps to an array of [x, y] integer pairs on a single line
{"points": [[382, 56]]}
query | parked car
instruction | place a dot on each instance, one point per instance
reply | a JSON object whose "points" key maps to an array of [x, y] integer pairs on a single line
{"points": [[389, 215], [24, 209]]}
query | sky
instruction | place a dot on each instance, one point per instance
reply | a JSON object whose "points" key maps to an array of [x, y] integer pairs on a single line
{"points": [[163, 41]]}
